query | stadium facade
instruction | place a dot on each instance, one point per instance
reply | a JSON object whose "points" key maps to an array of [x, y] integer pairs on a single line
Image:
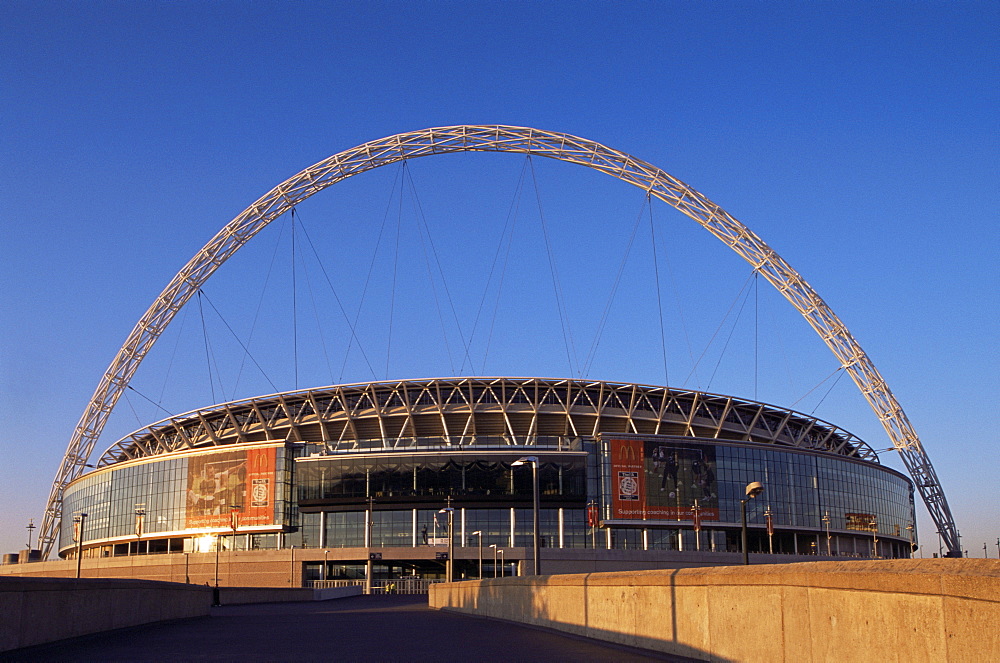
{"points": [[351, 473]]}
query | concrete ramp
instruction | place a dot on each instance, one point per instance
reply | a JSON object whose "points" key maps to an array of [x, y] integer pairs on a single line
{"points": [[894, 610]]}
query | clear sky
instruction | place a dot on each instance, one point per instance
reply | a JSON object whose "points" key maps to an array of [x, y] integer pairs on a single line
{"points": [[859, 139]]}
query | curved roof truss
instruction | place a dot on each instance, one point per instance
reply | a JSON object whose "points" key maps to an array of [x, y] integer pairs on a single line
{"points": [[478, 411], [521, 140]]}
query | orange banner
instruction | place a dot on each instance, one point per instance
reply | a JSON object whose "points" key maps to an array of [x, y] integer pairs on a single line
{"points": [[258, 505]]}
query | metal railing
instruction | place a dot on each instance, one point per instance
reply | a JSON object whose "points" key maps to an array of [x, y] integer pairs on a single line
{"points": [[406, 585]]}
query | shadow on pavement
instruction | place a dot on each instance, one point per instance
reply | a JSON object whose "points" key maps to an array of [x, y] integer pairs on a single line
{"points": [[362, 628]]}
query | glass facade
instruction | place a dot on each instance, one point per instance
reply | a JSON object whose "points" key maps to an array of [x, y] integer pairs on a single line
{"points": [[174, 495], [290, 495]]}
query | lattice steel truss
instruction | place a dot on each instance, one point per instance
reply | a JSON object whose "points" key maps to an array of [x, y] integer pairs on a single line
{"points": [[521, 140], [473, 412]]}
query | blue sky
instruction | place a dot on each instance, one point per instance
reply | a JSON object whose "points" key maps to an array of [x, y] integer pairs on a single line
{"points": [[859, 139]]}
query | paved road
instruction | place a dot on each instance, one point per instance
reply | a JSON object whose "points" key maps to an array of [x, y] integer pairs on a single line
{"points": [[363, 628]]}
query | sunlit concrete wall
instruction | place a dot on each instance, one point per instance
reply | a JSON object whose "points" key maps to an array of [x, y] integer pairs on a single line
{"points": [[896, 610], [38, 610]]}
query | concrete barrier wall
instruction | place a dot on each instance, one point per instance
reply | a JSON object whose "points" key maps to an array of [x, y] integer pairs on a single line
{"points": [[38, 610], [912, 610]]}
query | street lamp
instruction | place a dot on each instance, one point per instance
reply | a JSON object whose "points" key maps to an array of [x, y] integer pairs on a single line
{"points": [[826, 520], [234, 520], [78, 521], [30, 527], [480, 535], [753, 490], [534, 488], [450, 565], [874, 524], [503, 563], [326, 565], [494, 546], [140, 518], [369, 567]]}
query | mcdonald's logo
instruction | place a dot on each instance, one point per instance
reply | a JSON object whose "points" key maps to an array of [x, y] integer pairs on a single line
{"points": [[626, 450]]}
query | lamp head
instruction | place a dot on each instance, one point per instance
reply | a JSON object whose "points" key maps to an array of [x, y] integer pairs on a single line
{"points": [[754, 489], [447, 509], [525, 460]]}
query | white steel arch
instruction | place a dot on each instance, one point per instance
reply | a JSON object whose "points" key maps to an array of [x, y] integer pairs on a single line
{"points": [[522, 140]]}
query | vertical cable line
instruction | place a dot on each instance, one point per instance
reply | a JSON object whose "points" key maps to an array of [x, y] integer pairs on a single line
{"points": [[155, 404], [319, 323], [511, 222], [560, 306], [437, 260], [680, 315], [295, 315], [756, 289], [368, 277], [256, 313], [422, 229], [128, 401], [732, 330], [718, 329], [392, 295], [659, 297], [815, 387], [340, 305], [173, 355], [246, 350], [839, 370], [208, 354], [592, 354]]}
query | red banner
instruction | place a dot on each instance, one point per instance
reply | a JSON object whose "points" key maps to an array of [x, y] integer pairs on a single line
{"points": [[663, 480], [628, 479]]}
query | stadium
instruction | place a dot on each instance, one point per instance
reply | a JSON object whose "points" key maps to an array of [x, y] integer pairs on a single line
{"points": [[405, 479], [629, 476]]}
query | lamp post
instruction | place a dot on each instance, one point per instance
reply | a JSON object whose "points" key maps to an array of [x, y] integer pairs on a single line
{"points": [[503, 563], [592, 518], [218, 547], [696, 525], [479, 533], [369, 569], [140, 519], [534, 491], [770, 529], [30, 527], [826, 521], [450, 564], [495, 573], [326, 565], [753, 490], [78, 521], [874, 524]]}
